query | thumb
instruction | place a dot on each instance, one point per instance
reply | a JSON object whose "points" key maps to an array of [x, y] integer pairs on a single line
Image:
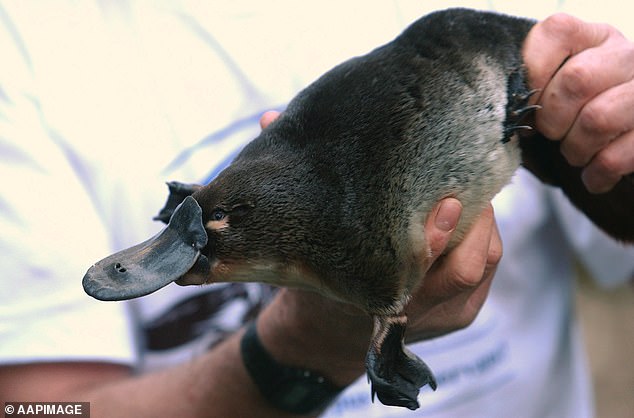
{"points": [[440, 225], [268, 117]]}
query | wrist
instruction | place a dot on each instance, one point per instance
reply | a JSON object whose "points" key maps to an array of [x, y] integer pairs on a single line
{"points": [[286, 388], [304, 330]]}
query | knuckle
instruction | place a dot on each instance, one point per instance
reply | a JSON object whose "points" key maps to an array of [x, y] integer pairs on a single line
{"points": [[464, 278], [574, 153], [593, 130], [594, 120], [561, 23], [613, 32], [549, 128], [577, 79], [494, 256], [627, 49], [466, 317], [607, 162]]}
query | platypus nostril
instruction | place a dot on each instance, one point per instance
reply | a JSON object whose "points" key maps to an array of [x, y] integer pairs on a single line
{"points": [[119, 268]]}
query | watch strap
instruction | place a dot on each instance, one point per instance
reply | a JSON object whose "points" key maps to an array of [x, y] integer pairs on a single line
{"points": [[290, 389]]}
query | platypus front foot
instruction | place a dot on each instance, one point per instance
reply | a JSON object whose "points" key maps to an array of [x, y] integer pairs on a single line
{"points": [[396, 374]]}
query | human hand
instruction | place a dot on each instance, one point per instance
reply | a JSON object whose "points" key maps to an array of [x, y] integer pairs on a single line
{"points": [[268, 117], [458, 282], [585, 73]]}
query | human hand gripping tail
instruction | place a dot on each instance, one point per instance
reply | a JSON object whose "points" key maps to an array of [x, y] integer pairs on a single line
{"points": [[584, 138], [585, 73]]}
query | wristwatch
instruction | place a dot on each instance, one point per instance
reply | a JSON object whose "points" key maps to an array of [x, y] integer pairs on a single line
{"points": [[290, 389]]}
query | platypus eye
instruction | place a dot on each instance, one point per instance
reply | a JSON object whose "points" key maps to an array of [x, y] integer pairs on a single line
{"points": [[218, 214]]}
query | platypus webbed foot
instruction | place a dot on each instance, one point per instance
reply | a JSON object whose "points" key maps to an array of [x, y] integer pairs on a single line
{"points": [[396, 374]]}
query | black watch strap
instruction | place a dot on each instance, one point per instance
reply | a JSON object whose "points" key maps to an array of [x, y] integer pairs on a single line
{"points": [[290, 389]]}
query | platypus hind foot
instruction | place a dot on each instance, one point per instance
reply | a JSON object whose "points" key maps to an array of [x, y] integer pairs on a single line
{"points": [[396, 374]]}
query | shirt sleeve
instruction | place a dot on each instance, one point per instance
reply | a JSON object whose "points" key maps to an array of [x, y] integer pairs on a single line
{"points": [[608, 261]]}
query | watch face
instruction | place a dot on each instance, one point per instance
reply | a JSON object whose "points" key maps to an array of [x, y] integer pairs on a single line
{"points": [[293, 392]]}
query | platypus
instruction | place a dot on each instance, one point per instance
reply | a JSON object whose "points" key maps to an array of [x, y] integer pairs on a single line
{"points": [[333, 195]]}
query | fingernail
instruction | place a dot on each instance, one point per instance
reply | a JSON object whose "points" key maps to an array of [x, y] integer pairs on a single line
{"points": [[448, 215]]}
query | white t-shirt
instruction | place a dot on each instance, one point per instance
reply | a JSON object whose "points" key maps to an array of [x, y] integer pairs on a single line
{"points": [[101, 103]]}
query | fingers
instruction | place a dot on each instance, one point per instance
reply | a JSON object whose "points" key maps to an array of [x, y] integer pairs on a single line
{"points": [[477, 255], [600, 121], [457, 285], [580, 81], [481, 289], [610, 164], [553, 41], [586, 74], [268, 117]]}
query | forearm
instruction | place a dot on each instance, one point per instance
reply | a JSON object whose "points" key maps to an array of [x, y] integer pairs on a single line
{"points": [[215, 383], [212, 385]]}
